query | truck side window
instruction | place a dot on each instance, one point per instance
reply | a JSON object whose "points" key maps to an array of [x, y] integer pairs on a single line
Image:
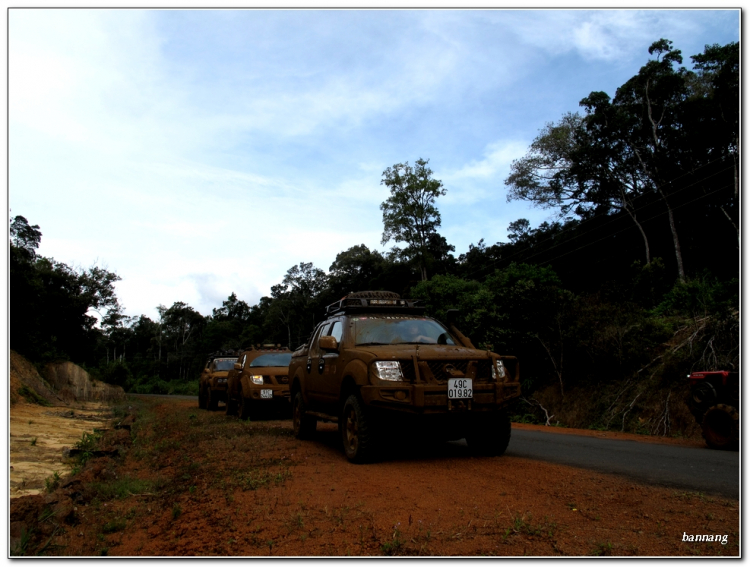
{"points": [[314, 345], [336, 331]]}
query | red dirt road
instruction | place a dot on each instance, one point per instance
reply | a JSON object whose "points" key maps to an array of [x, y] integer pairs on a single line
{"points": [[309, 501]]}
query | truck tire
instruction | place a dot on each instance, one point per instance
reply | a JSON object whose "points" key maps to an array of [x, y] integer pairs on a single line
{"points": [[721, 427], [490, 435], [211, 403], [231, 404], [244, 410], [201, 398], [303, 425], [357, 431]]}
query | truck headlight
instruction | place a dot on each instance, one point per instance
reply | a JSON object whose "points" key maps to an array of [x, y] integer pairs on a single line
{"points": [[498, 371], [257, 379], [389, 370]]}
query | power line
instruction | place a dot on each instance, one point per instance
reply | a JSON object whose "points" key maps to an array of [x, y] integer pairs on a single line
{"points": [[630, 228], [614, 219]]}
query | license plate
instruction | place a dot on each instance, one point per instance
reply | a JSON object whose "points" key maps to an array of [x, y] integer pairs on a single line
{"points": [[266, 394], [460, 389]]}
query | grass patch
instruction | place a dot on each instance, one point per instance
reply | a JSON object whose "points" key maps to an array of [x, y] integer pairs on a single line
{"points": [[114, 526], [121, 488], [20, 549], [602, 549], [52, 482], [394, 545], [258, 478], [32, 397], [522, 524]]}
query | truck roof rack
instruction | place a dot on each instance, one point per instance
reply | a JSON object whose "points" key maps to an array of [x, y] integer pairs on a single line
{"points": [[222, 353], [349, 304]]}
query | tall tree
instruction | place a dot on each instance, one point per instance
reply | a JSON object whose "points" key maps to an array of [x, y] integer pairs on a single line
{"points": [[410, 214], [24, 238], [654, 132], [578, 165], [297, 297], [715, 102], [354, 270]]}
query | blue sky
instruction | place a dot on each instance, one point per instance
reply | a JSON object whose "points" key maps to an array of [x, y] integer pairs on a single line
{"points": [[198, 152]]}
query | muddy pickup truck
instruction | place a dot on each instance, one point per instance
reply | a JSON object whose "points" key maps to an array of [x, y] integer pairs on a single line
{"points": [[259, 382], [212, 387], [378, 367]]}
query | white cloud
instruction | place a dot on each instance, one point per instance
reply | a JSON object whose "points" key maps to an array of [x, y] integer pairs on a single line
{"points": [[478, 179]]}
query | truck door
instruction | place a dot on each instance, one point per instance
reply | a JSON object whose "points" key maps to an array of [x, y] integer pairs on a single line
{"points": [[328, 365], [313, 359]]}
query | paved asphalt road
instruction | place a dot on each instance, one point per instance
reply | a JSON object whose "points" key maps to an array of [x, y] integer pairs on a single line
{"points": [[686, 468]]}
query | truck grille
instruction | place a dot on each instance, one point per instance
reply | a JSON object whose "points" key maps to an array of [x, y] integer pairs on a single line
{"points": [[278, 380], [437, 370]]}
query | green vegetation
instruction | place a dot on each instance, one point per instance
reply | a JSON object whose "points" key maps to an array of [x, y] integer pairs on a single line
{"points": [[114, 526], [51, 483], [32, 397], [634, 284], [393, 546]]}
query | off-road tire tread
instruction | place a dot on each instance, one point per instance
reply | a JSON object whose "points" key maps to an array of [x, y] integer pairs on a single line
{"points": [[244, 409], [367, 443], [307, 425], [715, 441], [490, 437], [231, 406], [212, 403]]}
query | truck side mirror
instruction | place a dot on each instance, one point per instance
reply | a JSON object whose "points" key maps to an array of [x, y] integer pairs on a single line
{"points": [[237, 366], [328, 343], [452, 316]]}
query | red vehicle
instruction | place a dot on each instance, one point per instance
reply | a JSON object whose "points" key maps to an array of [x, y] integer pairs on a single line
{"points": [[715, 403]]}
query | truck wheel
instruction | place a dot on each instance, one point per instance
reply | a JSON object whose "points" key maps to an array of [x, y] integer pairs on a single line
{"points": [[244, 407], [211, 403], [490, 435], [357, 434], [201, 398], [721, 426], [303, 425], [231, 405]]}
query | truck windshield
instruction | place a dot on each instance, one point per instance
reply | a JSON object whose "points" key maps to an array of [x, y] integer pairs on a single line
{"points": [[221, 364], [393, 330], [280, 359]]}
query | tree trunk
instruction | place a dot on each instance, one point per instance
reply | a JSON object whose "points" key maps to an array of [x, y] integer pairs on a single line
{"points": [[643, 234], [675, 238]]}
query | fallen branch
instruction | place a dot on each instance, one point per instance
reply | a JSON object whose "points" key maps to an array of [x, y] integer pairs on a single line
{"points": [[664, 419], [546, 413], [625, 413]]}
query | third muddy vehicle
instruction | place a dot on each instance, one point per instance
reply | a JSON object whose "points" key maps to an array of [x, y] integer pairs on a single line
{"points": [[714, 401], [259, 381], [378, 367], [212, 386]]}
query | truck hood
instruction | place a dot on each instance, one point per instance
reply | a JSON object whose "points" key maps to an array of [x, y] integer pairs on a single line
{"points": [[423, 352]]}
